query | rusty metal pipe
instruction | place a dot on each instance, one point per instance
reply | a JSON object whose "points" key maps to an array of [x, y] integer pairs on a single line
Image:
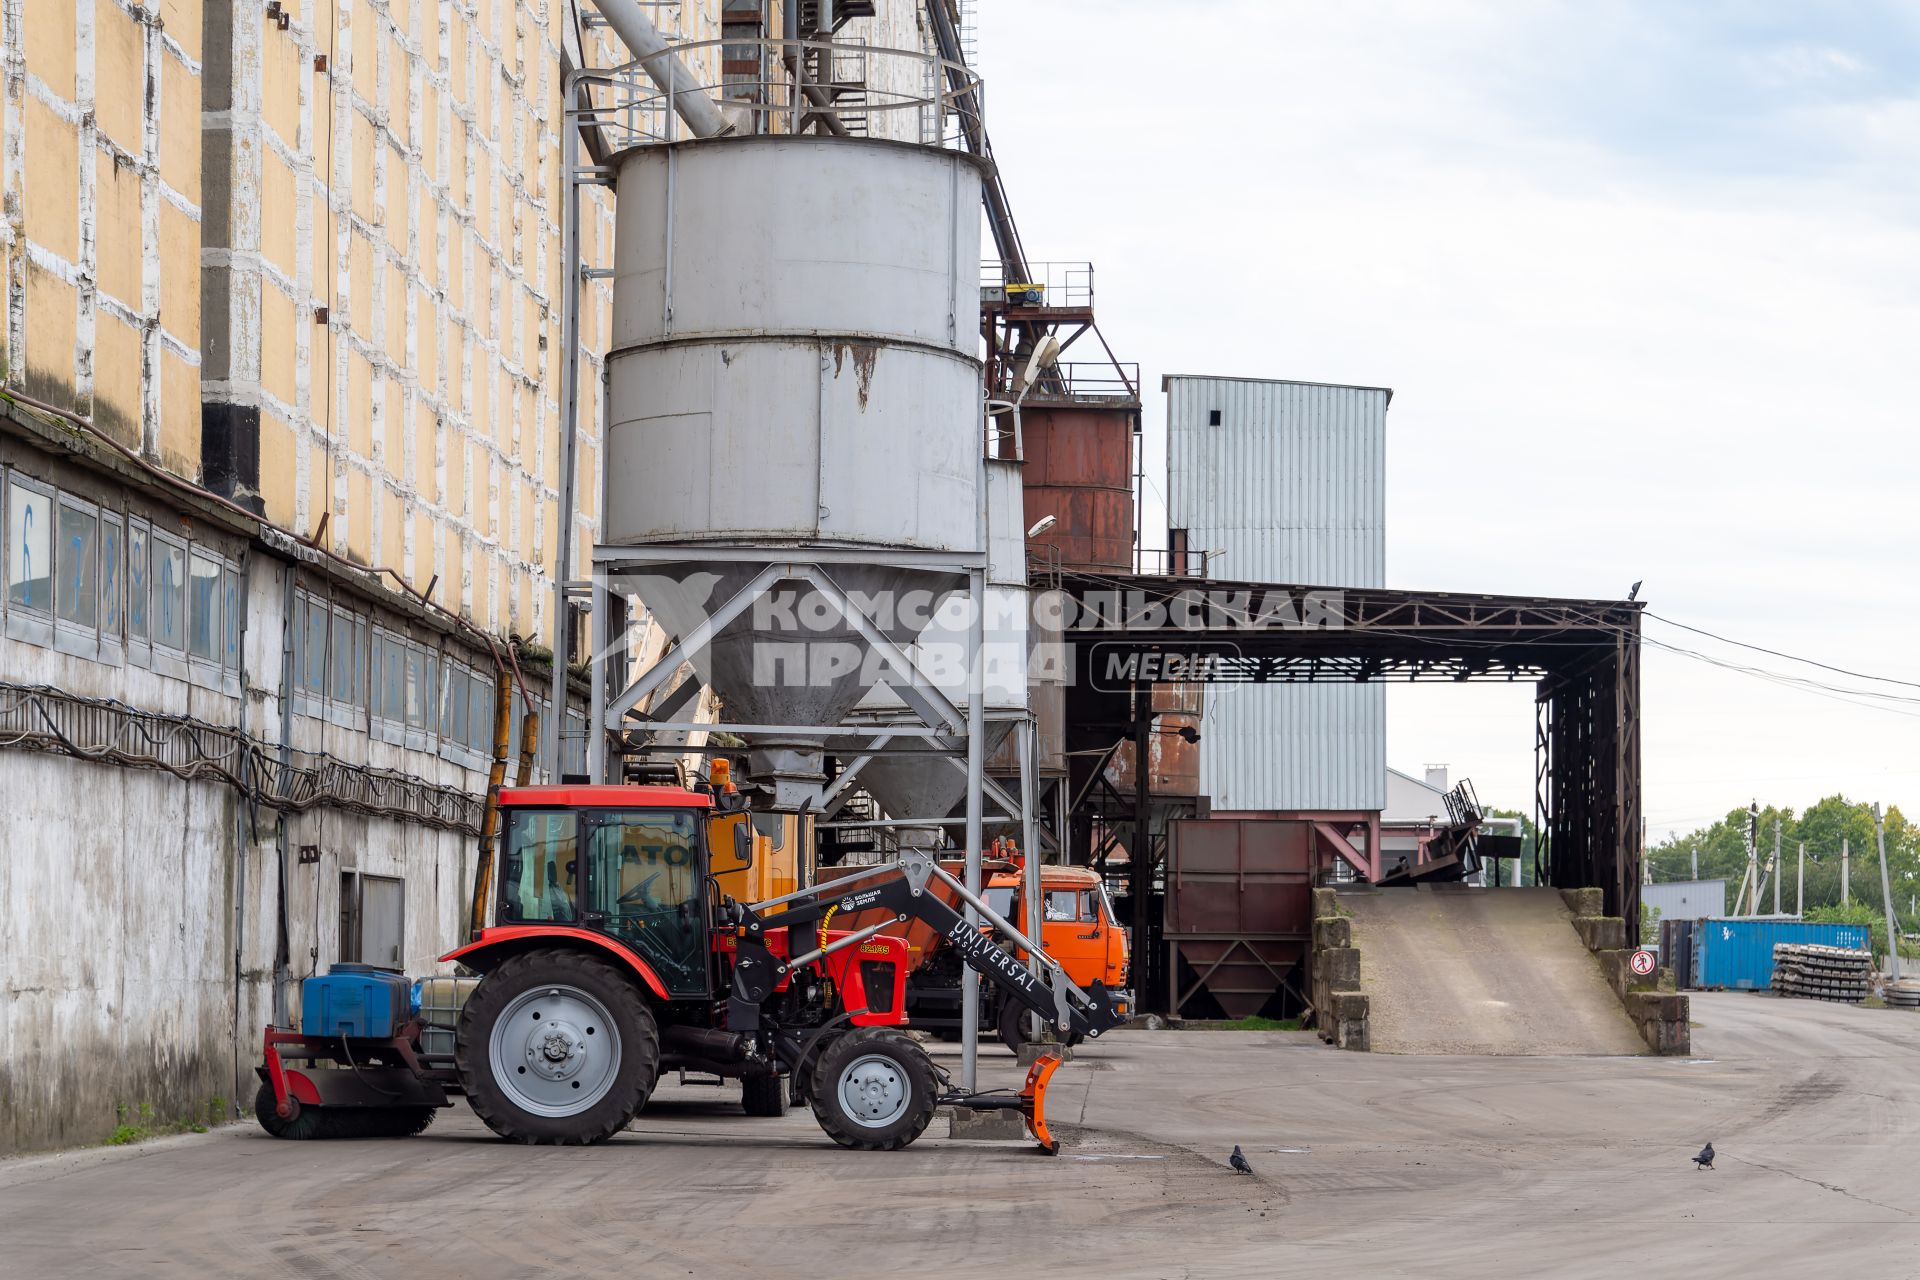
{"points": [[490, 814]]}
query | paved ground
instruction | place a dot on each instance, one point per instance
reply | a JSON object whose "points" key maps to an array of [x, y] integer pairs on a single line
{"points": [[1497, 971], [1368, 1165]]}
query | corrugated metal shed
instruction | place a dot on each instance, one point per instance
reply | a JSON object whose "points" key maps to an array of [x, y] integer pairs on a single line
{"points": [[1686, 899], [1285, 482]]}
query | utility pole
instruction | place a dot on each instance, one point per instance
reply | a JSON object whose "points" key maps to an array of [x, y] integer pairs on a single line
{"points": [[1752, 883], [1886, 893], [1843, 871], [1774, 868], [1800, 890], [1693, 856]]}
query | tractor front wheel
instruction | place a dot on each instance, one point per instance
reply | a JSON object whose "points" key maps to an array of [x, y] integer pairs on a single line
{"points": [[873, 1089], [557, 1048]]}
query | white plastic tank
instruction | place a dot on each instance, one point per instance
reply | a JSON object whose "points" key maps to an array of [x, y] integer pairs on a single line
{"points": [[793, 363]]}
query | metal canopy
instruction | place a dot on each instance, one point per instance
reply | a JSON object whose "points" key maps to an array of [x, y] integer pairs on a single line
{"points": [[1582, 655]]}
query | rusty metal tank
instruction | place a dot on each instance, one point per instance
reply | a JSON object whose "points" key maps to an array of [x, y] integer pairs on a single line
{"points": [[1173, 762], [1079, 470]]}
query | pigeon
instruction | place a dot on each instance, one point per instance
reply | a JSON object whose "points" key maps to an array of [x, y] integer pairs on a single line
{"points": [[1704, 1159], [1240, 1165]]}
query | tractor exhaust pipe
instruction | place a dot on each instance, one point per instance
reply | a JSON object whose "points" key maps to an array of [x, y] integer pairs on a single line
{"points": [[709, 1043]]}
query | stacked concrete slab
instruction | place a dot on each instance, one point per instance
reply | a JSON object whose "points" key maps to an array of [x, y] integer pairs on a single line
{"points": [[1658, 1011]]}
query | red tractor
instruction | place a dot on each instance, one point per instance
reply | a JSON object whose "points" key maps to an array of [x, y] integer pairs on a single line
{"points": [[614, 955]]}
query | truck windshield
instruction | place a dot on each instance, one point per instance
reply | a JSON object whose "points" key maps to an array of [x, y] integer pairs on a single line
{"points": [[1001, 900]]}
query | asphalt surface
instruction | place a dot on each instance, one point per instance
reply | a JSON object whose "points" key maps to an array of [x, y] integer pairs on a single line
{"points": [[1366, 1165], [1470, 971]]}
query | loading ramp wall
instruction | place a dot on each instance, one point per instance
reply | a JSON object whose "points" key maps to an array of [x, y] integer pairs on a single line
{"points": [[1500, 972]]}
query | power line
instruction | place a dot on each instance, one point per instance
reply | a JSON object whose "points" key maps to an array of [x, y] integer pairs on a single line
{"points": [[1775, 653]]}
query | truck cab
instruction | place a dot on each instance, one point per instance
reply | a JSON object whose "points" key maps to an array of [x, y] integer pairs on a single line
{"points": [[1078, 926]]}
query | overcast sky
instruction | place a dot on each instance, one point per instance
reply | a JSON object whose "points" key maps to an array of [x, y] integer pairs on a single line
{"points": [[1645, 279]]}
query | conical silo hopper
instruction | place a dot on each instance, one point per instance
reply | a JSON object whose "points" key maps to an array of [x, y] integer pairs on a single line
{"points": [[911, 783], [793, 369]]}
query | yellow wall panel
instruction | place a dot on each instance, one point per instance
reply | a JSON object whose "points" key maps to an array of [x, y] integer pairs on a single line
{"points": [[179, 275], [50, 334], [276, 468], [116, 203], [366, 29], [179, 128], [278, 321], [280, 73], [278, 197], [180, 414], [395, 429], [50, 47], [52, 181], [362, 143], [360, 284], [396, 290], [120, 75], [116, 381], [356, 420], [359, 515], [181, 20], [455, 500], [393, 528], [426, 363]]}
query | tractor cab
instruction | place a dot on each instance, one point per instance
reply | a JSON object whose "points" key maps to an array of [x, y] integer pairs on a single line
{"points": [[627, 862]]}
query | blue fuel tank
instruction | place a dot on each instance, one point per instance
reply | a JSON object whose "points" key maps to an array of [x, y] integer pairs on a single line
{"points": [[355, 1000]]}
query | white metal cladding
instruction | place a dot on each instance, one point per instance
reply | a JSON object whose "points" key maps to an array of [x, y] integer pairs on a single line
{"points": [[795, 324], [783, 235], [1289, 486], [799, 440]]}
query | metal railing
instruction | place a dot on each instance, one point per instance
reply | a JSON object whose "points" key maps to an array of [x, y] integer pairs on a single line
{"points": [[1082, 380], [1048, 284], [1172, 562], [763, 85]]}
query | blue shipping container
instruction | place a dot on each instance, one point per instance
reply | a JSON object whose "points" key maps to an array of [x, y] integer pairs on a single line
{"points": [[355, 1000], [1738, 954]]}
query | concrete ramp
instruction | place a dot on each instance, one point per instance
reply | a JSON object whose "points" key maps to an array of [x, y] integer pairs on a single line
{"points": [[1482, 971]]}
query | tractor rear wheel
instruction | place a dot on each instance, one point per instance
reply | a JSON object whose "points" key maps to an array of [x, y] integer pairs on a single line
{"points": [[873, 1089], [558, 1048], [763, 1095]]}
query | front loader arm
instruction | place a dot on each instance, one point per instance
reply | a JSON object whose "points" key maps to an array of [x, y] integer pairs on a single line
{"points": [[901, 888]]}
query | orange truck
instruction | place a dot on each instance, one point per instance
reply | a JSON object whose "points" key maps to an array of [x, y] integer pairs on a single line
{"points": [[1078, 928]]}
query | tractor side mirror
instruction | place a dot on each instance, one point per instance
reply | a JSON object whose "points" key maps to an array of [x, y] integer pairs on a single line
{"points": [[743, 842]]}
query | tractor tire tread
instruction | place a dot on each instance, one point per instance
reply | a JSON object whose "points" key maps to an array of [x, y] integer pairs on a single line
{"points": [[640, 1047], [914, 1061]]}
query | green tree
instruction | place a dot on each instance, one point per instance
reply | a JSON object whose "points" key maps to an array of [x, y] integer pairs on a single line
{"points": [[1722, 852]]}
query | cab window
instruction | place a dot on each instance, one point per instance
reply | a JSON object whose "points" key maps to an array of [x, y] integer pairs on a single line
{"points": [[1068, 905], [643, 877], [537, 874], [1001, 900]]}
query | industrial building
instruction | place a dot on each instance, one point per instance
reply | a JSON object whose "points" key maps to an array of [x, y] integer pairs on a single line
{"points": [[380, 373]]}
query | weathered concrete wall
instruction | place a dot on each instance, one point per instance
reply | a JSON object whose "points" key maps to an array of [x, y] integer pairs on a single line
{"points": [[1340, 1008], [116, 946], [1659, 1012]]}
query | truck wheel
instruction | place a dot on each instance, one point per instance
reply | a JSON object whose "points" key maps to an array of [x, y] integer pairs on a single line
{"points": [[1018, 1025], [763, 1095], [306, 1122], [873, 1090], [557, 1048]]}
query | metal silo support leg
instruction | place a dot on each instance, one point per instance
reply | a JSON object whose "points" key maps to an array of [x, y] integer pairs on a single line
{"points": [[976, 771]]}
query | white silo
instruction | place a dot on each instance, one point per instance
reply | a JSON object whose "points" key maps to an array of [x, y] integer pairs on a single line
{"points": [[793, 367]]}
